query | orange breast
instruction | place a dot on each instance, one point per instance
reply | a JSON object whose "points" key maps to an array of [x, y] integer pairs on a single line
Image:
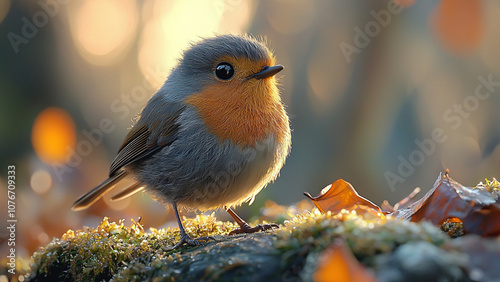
{"points": [[243, 112]]}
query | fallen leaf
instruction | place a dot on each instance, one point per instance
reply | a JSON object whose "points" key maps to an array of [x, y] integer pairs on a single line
{"points": [[338, 264], [476, 208], [341, 195]]}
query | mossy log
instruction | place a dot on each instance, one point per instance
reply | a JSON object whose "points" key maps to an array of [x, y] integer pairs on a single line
{"points": [[393, 250]]}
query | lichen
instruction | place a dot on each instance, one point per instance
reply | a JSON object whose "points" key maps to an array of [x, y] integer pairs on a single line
{"points": [[454, 227], [492, 186]]}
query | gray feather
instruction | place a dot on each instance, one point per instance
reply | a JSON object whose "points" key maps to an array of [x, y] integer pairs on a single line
{"points": [[95, 194]]}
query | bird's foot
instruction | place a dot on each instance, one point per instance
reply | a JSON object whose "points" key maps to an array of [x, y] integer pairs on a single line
{"points": [[245, 228], [188, 240]]}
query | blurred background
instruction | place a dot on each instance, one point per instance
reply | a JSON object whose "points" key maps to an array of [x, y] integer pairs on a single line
{"points": [[383, 94]]}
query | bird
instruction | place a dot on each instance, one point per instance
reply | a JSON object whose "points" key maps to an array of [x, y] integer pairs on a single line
{"points": [[213, 136]]}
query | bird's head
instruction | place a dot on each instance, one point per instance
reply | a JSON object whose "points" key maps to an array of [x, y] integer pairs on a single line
{"points": [[232, 65], [237, 92]]}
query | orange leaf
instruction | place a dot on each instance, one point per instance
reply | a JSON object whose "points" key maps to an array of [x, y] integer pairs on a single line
{"points": [[476, 208], [338, 264], [341, 195]]}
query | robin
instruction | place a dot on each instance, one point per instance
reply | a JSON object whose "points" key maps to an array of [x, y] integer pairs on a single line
{"points": [[213, 135]]}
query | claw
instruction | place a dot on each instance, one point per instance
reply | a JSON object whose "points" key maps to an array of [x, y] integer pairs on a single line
{"points": [[186, 239], [245, 228]]}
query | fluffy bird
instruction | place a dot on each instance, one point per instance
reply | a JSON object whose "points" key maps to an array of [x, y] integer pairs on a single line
{"points": [[213, 136]]}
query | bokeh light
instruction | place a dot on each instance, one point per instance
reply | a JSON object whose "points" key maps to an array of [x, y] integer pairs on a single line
{"points": [[53, 135], [103, 30], [173, 25], [41, 182], [458, 24]]}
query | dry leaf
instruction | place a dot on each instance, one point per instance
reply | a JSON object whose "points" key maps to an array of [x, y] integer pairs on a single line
{"points": [[338, 264], [341, 195], [476, 208]]}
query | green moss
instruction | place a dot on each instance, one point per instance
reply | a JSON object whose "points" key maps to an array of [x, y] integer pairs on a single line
{"points": [[128, 253], [98, 253], [367, 235]]}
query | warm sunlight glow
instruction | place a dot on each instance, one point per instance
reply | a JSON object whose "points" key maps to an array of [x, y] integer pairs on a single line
{"points": [[102, 30], [53, 135], [173, 25]]}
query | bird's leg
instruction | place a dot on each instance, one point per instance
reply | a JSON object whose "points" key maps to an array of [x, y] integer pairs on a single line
{"points": [[245, 228], [185, 238]]}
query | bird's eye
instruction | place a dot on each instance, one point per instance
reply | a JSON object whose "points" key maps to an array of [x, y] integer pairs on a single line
{"points": [[224, 71]]}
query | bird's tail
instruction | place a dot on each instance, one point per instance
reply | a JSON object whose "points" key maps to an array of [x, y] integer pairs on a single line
{"points": [[95, 194], [127, 192]]}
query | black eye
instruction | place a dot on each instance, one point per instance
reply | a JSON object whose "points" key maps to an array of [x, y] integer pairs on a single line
{"points": [[224, 71]]}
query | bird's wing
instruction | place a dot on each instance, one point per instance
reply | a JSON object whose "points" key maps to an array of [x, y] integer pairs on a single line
{"points": [[144, 139], [141, 141]]}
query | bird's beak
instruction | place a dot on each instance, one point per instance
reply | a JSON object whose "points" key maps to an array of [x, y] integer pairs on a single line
{"points": [[266, 72]]}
